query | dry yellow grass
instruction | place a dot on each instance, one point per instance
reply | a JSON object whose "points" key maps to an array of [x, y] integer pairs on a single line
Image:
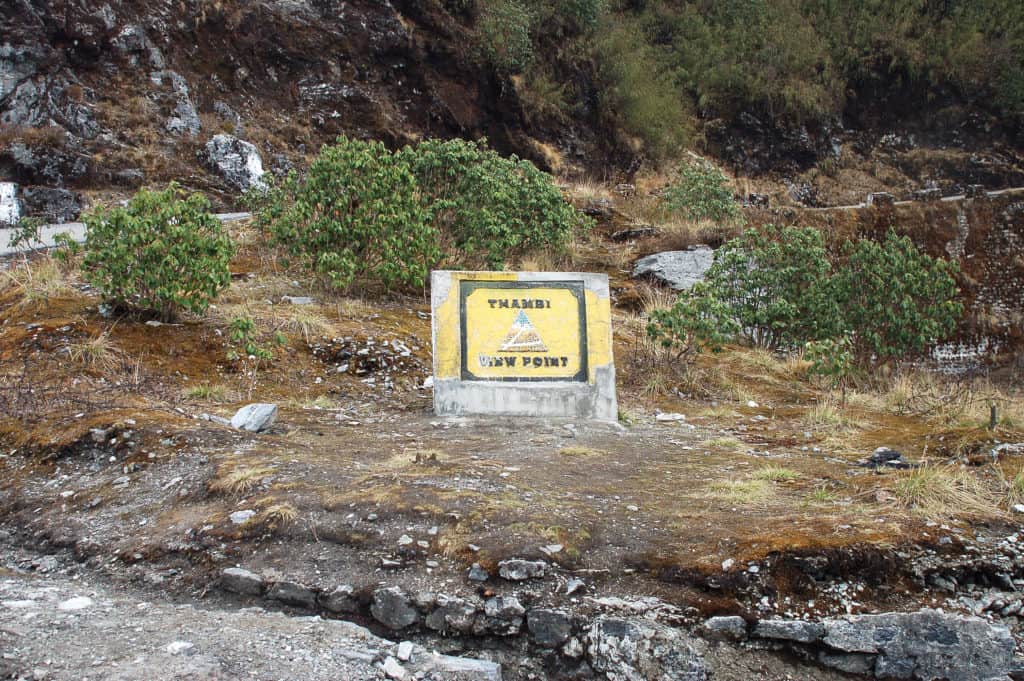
{"points": [[945, 491], [238, 480], [742, 491], [98, 352]]}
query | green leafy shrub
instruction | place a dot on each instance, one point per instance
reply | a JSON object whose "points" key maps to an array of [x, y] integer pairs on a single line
{"points": [[366, 212], [164, 253], [832, 359], [358, 213], [698, 321], [489, 206], [701, 192], [896, 300], [776, 283]]}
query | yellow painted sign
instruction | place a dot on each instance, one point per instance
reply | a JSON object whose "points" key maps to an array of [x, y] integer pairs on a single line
{"points": [[523, 331]]}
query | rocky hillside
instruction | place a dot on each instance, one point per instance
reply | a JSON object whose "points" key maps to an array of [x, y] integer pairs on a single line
{"points": [[107, 96], [114, 95]]}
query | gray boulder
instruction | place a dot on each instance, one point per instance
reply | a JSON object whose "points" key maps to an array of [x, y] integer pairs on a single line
{"points": [[549, 628], [503, 616], [925, 645], [340, 599], [292, 594], [451, 614], [393, 608], [242, 581], [10, 208], [184, 119], [237, 161], [48, 165], [642, 650], [518, 570], [52, 204], [255, 417], [678, 269]]}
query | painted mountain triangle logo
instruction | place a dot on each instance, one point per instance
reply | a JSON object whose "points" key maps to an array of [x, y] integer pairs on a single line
{"points": [[522, 337]]}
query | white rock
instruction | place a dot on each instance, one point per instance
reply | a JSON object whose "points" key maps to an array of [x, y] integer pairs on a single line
{"points": [[78, 603], [255, 417], [179, 647], [239, 517], [428, 383], [10, 209], [405, 651], [752, 404], [404, 540], [1018, 508], [669, 417], [393, 669], [727, 563]]}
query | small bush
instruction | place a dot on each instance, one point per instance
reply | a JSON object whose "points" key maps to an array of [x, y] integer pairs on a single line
{"points": [[775, 283], [897, 300], [366, 212], [698, 321], [164, 253], [357, 213], [489, 206], [701, 192]]}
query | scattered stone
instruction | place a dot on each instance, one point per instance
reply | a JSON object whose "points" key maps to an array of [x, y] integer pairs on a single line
{"points": [[255, 417], [502, 616], [476, 573], [636, 650], [726, 628], [789, 630], [239, 517], [451, 614], [404, 652], [551, 549], [549, 628], [297, 300], [632, 508], [573, 585], [925, 645], [235, 160], [393, 669], [241, 581], [404, 540], [669, 417], [517, 570], [884, 457], [390, 564], [727, 564], [633, 233], [340, 599], [752, 404], [293, 594], [179, 647], [597, 208], [678, 269], [881, 199], [73, 604], [393, 608], [1018, 508]]}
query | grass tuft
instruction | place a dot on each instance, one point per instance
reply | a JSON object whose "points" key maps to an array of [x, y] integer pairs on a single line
{"points": [[944, 491], [742, 491], [776, 474], [238, 480]]}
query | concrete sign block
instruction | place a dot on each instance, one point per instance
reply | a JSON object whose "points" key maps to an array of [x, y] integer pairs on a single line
{"points": [[523, 344]]}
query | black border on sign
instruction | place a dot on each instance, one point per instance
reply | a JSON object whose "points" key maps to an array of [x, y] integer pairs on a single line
{"points": [[467, 286]]}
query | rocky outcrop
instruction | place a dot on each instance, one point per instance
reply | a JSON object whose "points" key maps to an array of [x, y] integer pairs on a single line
{"points": [[925, 645], [52, 204], [642, 650], [10, 207]]}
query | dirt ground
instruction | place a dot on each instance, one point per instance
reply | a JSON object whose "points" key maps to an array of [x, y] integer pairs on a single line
{"points": [[711, 492]]}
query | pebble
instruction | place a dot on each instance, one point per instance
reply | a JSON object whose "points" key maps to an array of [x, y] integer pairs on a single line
{"points": [[727, 564], [632, 507], [393, 669], [239, 517], [78, 603], [405, 651], [404, 540], [179, 647]]}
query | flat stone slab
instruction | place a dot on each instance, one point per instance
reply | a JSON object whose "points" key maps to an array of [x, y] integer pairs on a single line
{"points": [[677, 269]]}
